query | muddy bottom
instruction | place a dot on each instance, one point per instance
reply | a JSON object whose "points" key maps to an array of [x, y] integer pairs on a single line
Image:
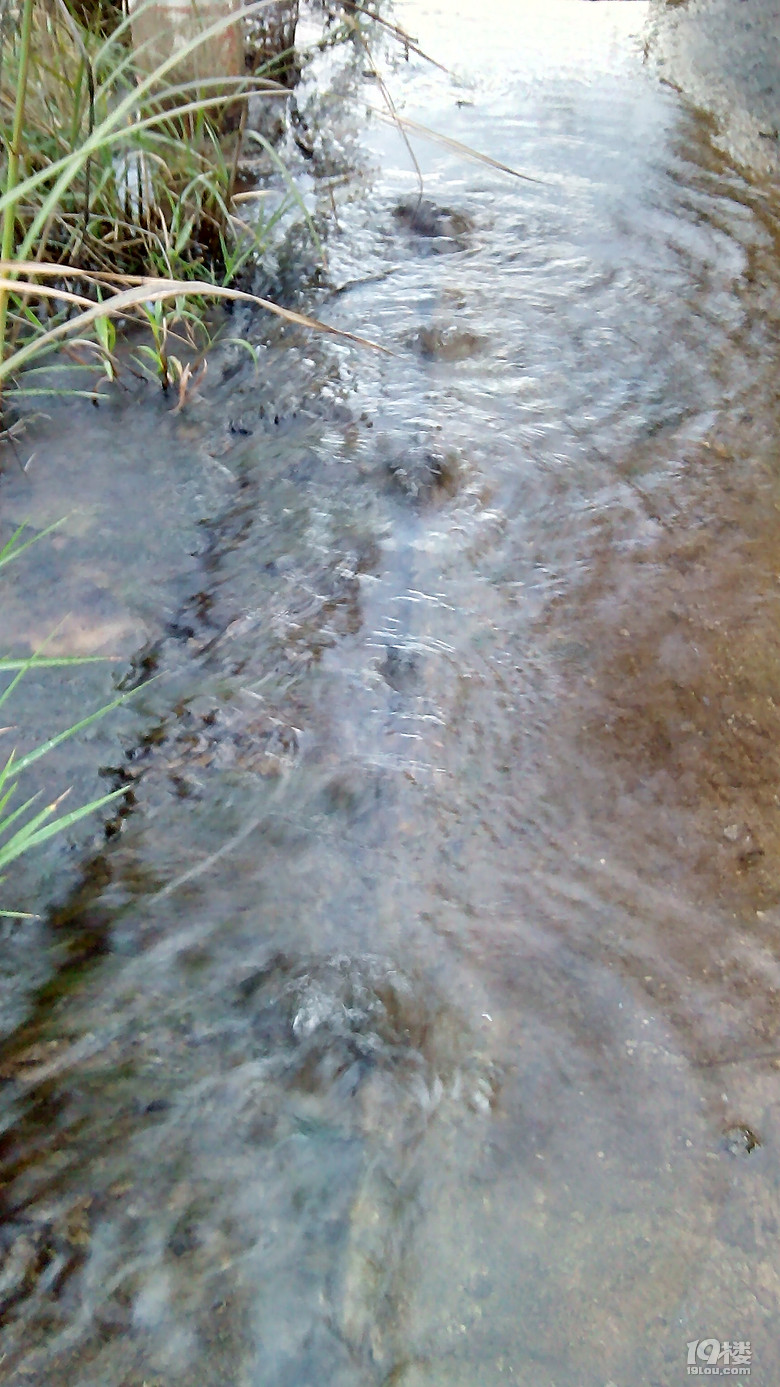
{"points": [[415, 1021]]}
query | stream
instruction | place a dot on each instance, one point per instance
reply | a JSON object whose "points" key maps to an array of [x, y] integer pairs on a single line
{"points": [[415, 1021]]}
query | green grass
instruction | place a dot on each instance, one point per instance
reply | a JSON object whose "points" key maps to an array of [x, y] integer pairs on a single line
{"points": [[117, 192], [24, 825]]}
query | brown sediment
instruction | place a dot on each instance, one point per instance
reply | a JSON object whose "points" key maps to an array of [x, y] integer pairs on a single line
{"points": [[678, 697]]}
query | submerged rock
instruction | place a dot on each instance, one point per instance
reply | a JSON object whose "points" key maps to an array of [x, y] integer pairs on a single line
{"points": [[426, 473], [401, 670], [740, 1140], [449, 343], [425, 218]]}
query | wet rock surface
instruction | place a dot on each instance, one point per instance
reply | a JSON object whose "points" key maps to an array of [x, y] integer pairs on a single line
{"points": [[740, 1141], [445, 227], [448, 344], [426, 472]]}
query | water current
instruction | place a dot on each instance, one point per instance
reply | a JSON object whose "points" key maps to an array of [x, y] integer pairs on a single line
{"points": [[418, 1025]]}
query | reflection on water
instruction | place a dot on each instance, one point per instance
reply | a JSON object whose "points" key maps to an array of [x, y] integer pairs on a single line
{"points": [[421, 1023]]}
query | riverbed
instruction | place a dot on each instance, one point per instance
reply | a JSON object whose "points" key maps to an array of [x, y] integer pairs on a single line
{"points": [[414, 1021]]}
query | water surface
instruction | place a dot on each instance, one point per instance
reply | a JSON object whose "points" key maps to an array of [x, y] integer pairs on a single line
{"points": [[419, 1026]]}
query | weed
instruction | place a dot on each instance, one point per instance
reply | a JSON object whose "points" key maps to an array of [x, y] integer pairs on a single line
{"points": [[23, 826], [109, 170]]}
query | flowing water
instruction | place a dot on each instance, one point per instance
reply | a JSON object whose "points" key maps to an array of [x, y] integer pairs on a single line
{"points": [[418, 1024]]}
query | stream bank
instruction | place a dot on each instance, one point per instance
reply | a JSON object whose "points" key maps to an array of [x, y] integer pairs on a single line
{"points": [[724, 58]]}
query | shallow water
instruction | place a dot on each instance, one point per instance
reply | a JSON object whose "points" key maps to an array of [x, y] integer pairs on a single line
{"points": [[419, 1023]]}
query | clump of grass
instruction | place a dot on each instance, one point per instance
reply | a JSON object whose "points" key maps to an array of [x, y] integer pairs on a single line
{"points": [[115, 176], [24, 825], [124, 171]]}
